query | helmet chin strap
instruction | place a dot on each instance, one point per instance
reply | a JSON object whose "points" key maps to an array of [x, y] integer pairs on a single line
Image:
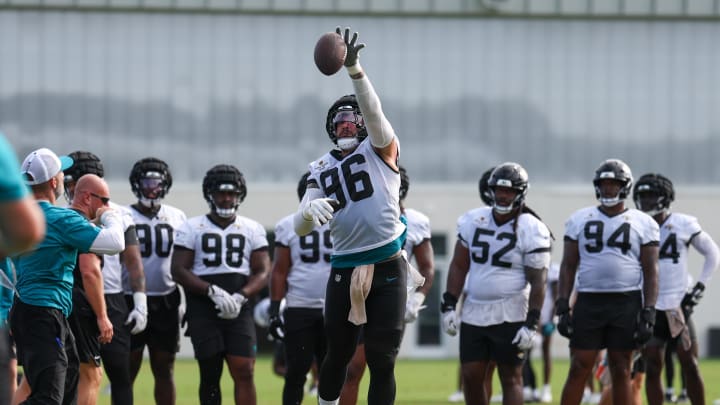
{"points": [[225, 212], [503, 209], [347, 143], [150, 202], [610, 202]]}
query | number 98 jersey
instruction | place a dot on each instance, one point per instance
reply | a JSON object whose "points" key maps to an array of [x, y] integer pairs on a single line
{"points": [[609, 248], [218, 250]]}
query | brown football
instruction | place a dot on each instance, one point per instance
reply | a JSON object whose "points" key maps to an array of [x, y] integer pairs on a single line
{"points": [[330, 53]]}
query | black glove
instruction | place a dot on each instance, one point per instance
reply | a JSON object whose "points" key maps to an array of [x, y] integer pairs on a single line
{"points": [[645, 325], [532, 319], [562, 310], [352, 47], [276, 329], [692, 298], [448, 302]]}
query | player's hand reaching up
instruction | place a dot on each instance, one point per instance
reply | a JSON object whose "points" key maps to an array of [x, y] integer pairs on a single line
{"points": [[353, 48]]}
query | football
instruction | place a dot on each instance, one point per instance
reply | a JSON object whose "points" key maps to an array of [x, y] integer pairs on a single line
{"points": [[330, 52]]}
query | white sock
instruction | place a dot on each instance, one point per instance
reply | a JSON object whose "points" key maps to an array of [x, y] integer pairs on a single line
{"points": [[324, 402]]}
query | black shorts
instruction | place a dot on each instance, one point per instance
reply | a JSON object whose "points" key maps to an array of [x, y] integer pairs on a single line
{"points": [[494, 342], [117, 311], [163, 328], [46, 349], [84, 327], [605, 320], [210, 336]]}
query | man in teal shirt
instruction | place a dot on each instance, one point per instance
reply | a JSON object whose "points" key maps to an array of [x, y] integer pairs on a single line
{"points": [[45, 345]]}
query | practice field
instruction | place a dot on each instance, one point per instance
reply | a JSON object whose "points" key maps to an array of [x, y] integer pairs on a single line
{"points": [[420, 382]]}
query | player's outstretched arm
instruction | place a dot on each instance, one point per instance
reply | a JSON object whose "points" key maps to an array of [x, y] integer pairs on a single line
{"points": [[381, 133]]}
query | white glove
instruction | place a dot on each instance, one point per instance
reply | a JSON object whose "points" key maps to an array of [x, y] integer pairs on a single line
{"points": [[240, 299], [450, 322], [413, 306], [226, 305], [319, 210], [524, 338], [138, 314]]}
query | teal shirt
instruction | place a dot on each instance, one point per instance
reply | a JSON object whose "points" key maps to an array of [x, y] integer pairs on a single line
{"points": [[12, 186], [45, 275], [6, 294]]}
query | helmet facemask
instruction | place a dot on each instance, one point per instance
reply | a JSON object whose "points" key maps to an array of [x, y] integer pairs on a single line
{"points": [[151, 189], [348, 114]]}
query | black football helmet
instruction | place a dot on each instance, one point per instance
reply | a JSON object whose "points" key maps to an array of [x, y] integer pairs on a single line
{"points": [[302, 185], [510, 175], [485, 194], [657, 185], [614, 169], [404, 183], [226, 178], [346, 108], [150, 181], [84, 162]]}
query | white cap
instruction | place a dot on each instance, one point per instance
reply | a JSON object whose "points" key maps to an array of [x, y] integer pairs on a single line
{"points": [[42, 165]]}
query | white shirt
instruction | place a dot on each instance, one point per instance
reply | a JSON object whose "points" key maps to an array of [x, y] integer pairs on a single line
{"points": [[310, 263], [218, 250], [418, 230], [112, 270], [609, 248], [156, 236], [496, 287]]}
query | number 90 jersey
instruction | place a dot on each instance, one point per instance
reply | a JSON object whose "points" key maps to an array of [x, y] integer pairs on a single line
{"points": [[218, 250], [368, 192], [156, 241], [609, 248], [498, 256], [310, 263]]}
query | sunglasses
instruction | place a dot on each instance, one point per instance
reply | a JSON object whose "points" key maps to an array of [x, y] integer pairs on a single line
{"points": [[105, 200]]}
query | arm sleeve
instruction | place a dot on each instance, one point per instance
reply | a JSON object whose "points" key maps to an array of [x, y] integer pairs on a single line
{"points": [[378, 127], [111, 239], [709, 249]]}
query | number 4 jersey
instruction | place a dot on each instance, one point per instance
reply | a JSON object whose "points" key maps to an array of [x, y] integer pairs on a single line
{"points": [[609, 248], [218, 250]]}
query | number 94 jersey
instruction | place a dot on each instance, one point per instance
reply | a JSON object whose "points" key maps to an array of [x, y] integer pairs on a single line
{"points": [[498, 256], [609, 248], [218, 250]]}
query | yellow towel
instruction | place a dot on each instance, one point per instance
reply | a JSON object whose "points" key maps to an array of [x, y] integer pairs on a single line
{"points": [[360, 283]]}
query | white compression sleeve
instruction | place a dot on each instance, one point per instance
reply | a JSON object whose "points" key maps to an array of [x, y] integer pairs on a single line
{"points": [[709, 249], [378, 127], [111, 239]]}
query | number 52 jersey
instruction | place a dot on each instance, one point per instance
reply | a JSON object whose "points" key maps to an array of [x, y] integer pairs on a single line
{"points": [[609, 248], [221, 250]]}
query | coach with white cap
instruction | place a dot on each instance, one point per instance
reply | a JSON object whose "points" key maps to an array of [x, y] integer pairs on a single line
{"points": [[45, 345]]}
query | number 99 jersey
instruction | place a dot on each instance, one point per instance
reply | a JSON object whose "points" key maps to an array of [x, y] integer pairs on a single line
{"points": [[609, 248], [310, 263], [218, 250]]}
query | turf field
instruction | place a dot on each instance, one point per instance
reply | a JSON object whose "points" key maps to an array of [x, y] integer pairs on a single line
{"points": [[420, 382]]}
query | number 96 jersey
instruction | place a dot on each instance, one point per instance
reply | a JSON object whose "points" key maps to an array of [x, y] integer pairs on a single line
{"points": [[498, 256], [218, 250], [609, 248]]}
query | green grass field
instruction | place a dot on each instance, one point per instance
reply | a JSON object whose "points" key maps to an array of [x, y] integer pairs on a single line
{"points": [[420, 382]]}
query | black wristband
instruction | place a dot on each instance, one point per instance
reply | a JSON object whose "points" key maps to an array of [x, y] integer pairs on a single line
{"points": [[448, 303], [562, 306], [531, 321], [274, 308]]}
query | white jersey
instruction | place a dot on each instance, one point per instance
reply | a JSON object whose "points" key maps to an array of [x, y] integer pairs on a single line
{"points": [[369, 194], [218, 250], [496, 288], [676, 233], [112, 270], [156, 245], [610, 248], [310, 263], [418, 230]]}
